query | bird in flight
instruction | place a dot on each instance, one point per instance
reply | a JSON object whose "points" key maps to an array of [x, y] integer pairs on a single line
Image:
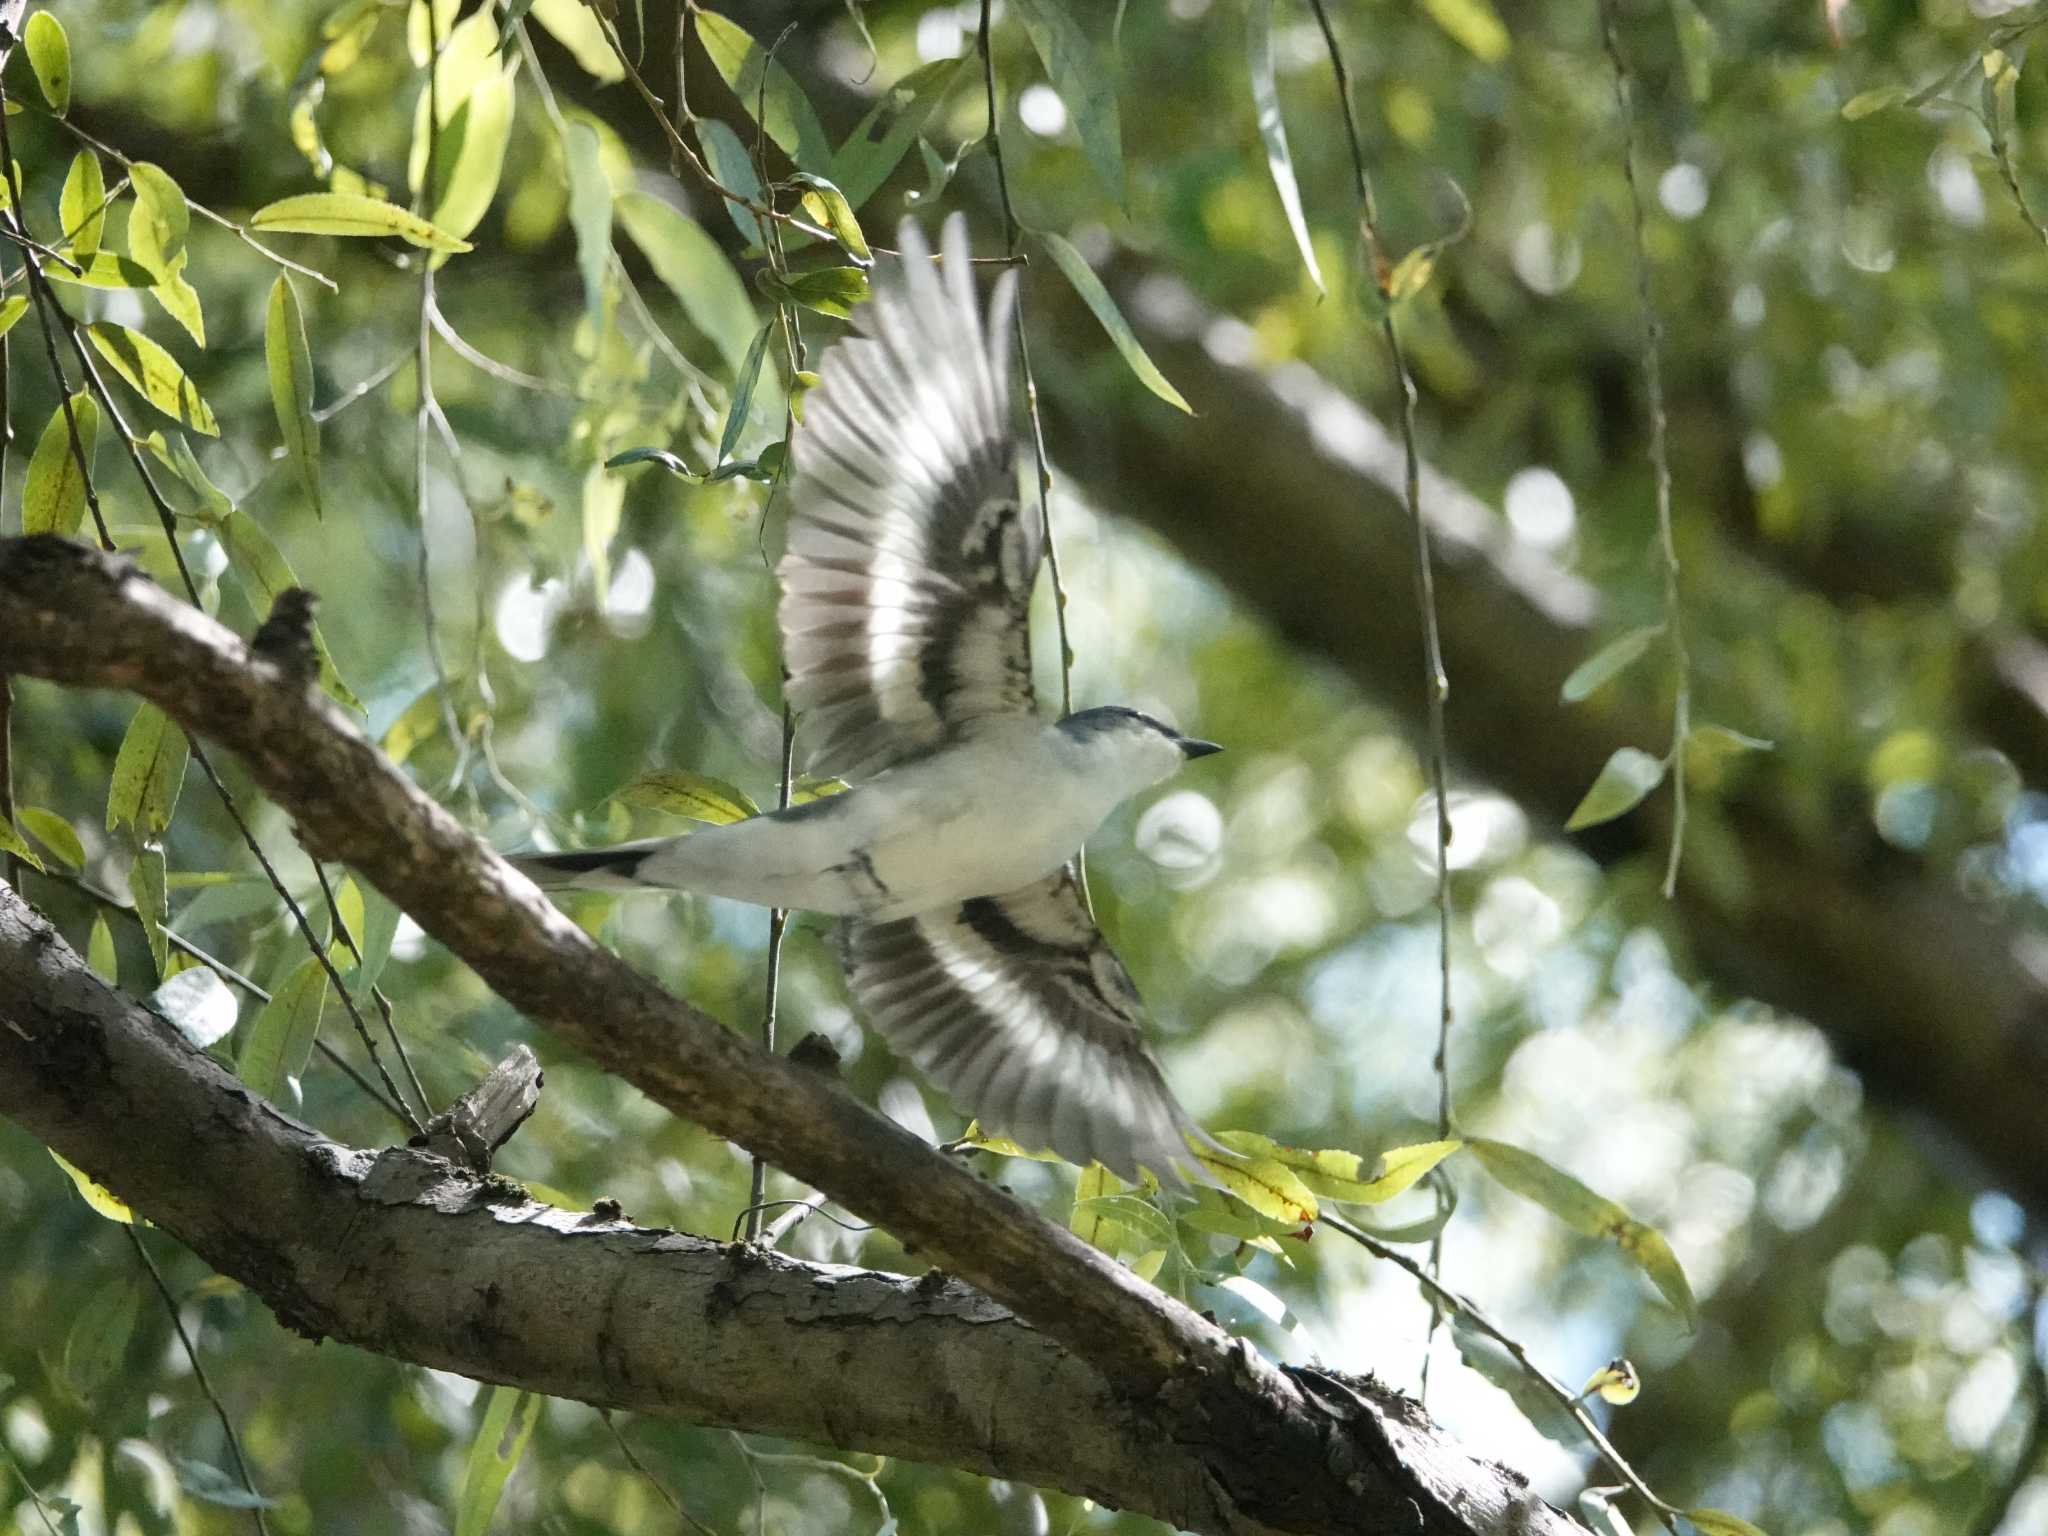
{"points": [[906, 589]]}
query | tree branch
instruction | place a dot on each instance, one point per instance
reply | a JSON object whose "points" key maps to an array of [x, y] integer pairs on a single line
{"points": [[1207, 1433]]}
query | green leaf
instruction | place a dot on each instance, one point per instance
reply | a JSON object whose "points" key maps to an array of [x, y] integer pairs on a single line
{"points": [[100, 953], [1002, 1146], [693, 268], [53, 495], [509, 1418], [106, 269], [830, 291], [474, 95], [1870, 103], [1698, 47], [350, 214], [12, 842], [806, 789], [205, 1481], [788, 115], [198, 1003], [743, 394], [176, 455], [154, 374], [1273, 129], [1718, 1522], [49, 55], [278, 1045], [157, 228], [101, 1332], [12, 308], [1265, 1184], [734, 168], [863, 163], [262, 571], [1083, 79], [82, 206], [1715, 743], [661, 456], [1473, 23], [1608, 662], [590, 214], [54, 833], [1096, 297], [1090, 1220], [378, 928], [1591, 1215], [575, 26], [829, 207], [1345, 1176], [149, 771], [603, 503], [695, 795], [152, 896], [290, 362], [1628, 776], [103, 1200]]}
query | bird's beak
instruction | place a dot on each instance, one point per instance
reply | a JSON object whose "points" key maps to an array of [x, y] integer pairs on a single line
{"points": [[1190, 747]]}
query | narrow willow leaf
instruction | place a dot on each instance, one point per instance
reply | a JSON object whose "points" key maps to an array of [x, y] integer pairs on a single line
{"points": [[13, 842], [53, 495], [1474, 24], [1002, 1146], [203, 1480], [603, 503], [290, 362], [788, 116], [474, 94], [99, 1336], [49, 55], [830, 208], [176, 455], [1627, 777], [1494, 1361], [154, 374], [743, 395], [865, 160], [1146, 1266], [734, 168], [152, 895], [157, 228], [1715, 743], [346, 922], [1083, 78], [1870, 103], [12, 308], [1089, 1219], [695, 795], [1591, 1215], [574, 25], [1718, 1522], [100, 953], [1607, 663], [419, 721], [830, 291], [103, 1200], [590, 215], [661, 456], [1103, 307], [82, 206], [280, 1043], [1267, 1185], [261, 570], [509, 1417], [107, 269], [349, 214], [1345, 1176], [806, 789], [198, 1003], [1273, 129], [693, 268], [1215, 1211], [54, 833], [149, 772], [378, 928], [1699, 46]]}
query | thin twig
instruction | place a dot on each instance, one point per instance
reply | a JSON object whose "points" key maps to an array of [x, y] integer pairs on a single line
{"points": [[376, 993], [675, 1505], [1660, 461], [1436, 681], [42, 1509], [199, 1375]]}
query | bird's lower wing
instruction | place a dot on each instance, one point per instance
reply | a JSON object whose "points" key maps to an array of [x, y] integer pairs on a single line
{"points": [[1017, 1007]]}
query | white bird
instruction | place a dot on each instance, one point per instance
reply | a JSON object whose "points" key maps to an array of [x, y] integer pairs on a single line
{"points": [[906, 589]]}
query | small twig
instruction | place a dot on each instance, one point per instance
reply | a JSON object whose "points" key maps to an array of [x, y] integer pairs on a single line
{"points": [[376, 993], [504, 373], [1436, 681], [199, 1375], [1660, 461], [675, 1505], [42, 1509]]}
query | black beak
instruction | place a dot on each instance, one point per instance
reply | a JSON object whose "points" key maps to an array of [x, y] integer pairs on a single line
{"points": [[1190, 747]]}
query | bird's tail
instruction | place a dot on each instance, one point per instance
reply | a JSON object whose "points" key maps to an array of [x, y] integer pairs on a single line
{"points": [[591, 869]]}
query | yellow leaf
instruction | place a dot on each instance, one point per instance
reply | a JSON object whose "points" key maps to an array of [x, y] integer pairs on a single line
{"points": [[49, 55], [154, 374], [1001, 1146], [1265, 1184], [53, 496], [350, 214], [1344, 1176], [97, 1195], [695, 795], [1616, 1382]]}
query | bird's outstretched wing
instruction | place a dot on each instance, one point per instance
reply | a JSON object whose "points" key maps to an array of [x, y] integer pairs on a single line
{"points": [[1017, 1007], [906, 586]]}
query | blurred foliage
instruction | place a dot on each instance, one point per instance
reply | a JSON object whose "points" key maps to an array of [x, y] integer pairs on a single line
{"points": [[1852, 307]]}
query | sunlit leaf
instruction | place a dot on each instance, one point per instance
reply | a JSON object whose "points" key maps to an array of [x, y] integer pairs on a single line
{"points": [[1081, 74], [1273, 129], [1627, 777], [1590, 1214], [1090, 1219], [82, 206], [278, 1045], [158, 224], [830, 291], [693, 268], [1473, 23], [1003, 1146], [54, 833], [100, 953], [149, 771], [53, 494], [698, 796], [509, 1417], [789, 118], [49, 55], [1265, 1184], [830, 209], [1346, 1176], [590, 215], [1607, 663], [575, 26], [1718, 1522], [154, 374], [12, 842], [1146, 1265], [199, 1003], [806, 789], [103, 1200], [12, 308], [473, 93], [1615, 1382], [290, 363], [349, 214], [106, 269], [1103, 307], [863, 163]]}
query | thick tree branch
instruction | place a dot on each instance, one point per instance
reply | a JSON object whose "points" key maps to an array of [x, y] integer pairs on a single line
{"points": [[320, 1230]]}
